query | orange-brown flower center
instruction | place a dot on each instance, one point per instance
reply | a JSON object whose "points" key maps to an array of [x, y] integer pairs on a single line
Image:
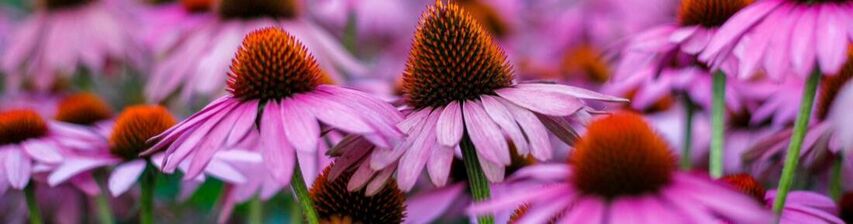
{"points": [[335, 204], [83, 109], [586, 60], [831, 85], [62, 4], [249, 9], [746, 184], [271, 65], [19, 125], [134, 126], [197, 5], [486, 15], [709, 13], [621, 155], [452, 59]]}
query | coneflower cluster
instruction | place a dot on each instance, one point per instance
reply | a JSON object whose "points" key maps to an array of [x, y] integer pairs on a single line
{"points": [[430, 111]]}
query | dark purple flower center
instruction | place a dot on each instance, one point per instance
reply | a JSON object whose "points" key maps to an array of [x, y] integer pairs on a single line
{"points": [[709, 13], [271, 65], [63, 4], [249, 9], [336, 204], [621, 155], [452, 59], [19, 125]]}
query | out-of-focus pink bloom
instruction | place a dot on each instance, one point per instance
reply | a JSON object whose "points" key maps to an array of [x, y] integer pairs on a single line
{"points": [[56, 42], [165, 24], [784, 37], [375, 20], [645, 187], [31, 144], [274, 71], [197, 63], [800, 206]]}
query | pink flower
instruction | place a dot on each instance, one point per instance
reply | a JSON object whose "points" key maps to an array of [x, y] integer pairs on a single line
{"points": [[119, 149], [31, 144], [274, 72], [455, 90], [784, 37], [663, 60], [621, 171], [197, 63], [57, 41], [800, 206]]}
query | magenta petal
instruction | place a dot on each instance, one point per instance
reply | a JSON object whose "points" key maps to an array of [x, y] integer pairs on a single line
{"points": [[572, 91], [360, 177], [540, 144], [494, 172], [545, 211], [541, 101], [485, 134], [378, 182], [42, 151], [212, 143], [736, 26], [697, 42], [416, 156], [191, 141], [225, 172], [802, 43], [245, 122], [73, 166], [832, 46], [544, 172], [300, 127], [427, 206], [438, 165], [504, 119], [586, 211], [18, 167], [336, 114], [450, 125], [125, 175], [511, 200], [277, 152]]}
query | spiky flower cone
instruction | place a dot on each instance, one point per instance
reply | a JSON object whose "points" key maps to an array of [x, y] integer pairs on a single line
{"points": [[337, 205]]}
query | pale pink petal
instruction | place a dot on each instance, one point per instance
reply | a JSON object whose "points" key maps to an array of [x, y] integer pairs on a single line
{"points": [[73, 166], [537, 135], [225, 172], [681, 34], [832, 46], [586, 211], [300, 128], [245, 122], [450, 125], [802, 43], [360, 177], [560, 127], [544, 172], [277, 152], [494, 172], [736, 26], [18, 167], [572, 91], [379, 182], [125, 175], [212, 143], [541, 101], [336, 114], [485, 134], [417, 154], [503, 118], [438, 165], [190, 142], [42, 151]]}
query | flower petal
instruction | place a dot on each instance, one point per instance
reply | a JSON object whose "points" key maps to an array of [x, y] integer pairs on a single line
{"points": [[125, 175]]}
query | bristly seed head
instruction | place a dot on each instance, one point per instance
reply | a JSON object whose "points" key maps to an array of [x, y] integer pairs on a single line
{"points": [[709, 13], [20, 125], [62, 4], [452, 59], [746, 184], [250, 9], [621, 155], [272, 65], [830, 86], [335, 204], [134, 126], [83, 109]]}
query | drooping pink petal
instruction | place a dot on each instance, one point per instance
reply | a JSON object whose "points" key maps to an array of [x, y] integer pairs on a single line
{"points": [[225, 172], [416, 156], [336, 114], [360, 177], [586, 211], [485, 134], [42, 151], [73, 166], [736, 26], [300, 126], [802, 42], [831, 48], [438, 165], [428, 206], [450, 125], [541, 101], [379, 182], [190, 142], [572, 91], [277, 152], [212, 143], [245, 122], [124, 176], [18, 167], [503, 118], [494, 172], [537, 135], [512, 200]]}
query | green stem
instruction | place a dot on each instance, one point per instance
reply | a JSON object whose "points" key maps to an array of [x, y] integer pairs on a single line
{"points": [[32, 204], [256, 211], [350, 33], [718, 109], [105, 214], [476, 179], [149, 178], [835, 181], [793, 155], [301, 191], [686, 153]]}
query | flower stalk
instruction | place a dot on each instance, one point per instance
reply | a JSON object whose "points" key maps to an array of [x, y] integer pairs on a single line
{"points": [[302, 195], [687, 144], [718, 109], [476, 178], [105, 214], [32, 204], [149, 178], [793, 154]]}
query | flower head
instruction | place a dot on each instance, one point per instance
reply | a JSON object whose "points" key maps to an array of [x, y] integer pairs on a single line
{"points": [[62, 4], [709, 13], [621, 171], [17, 126], [441, 69], [135, 126], [248, 9], [83, 109], [272, 65], [335, 204]]}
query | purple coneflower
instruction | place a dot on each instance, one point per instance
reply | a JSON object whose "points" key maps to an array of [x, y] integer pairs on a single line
{"points": [[277, 94], [212, 43], [802, 206], [64, 37], [644, 187], [335, 203]]}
